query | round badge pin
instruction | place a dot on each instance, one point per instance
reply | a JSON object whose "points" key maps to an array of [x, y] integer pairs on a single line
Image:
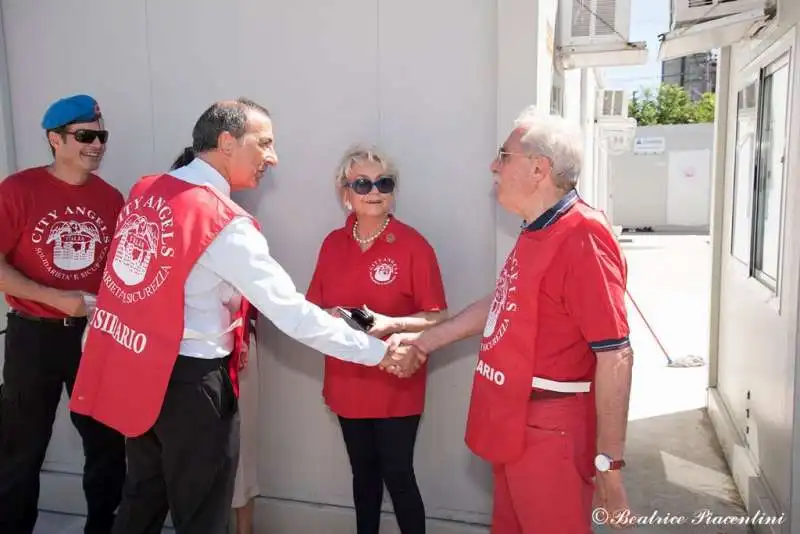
{"points": [[390, 238]]}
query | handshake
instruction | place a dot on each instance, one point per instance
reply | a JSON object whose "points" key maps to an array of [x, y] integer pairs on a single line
{"points": [[402, 358]]}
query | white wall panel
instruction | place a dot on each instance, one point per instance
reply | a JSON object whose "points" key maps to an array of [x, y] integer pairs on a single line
{"points": [[316, 74], [55, 49], [437, 106], [424, 80], [757, 360]]}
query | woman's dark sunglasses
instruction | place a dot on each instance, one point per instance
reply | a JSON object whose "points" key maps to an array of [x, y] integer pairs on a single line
{"points": [[87, 137], [363, 185]]}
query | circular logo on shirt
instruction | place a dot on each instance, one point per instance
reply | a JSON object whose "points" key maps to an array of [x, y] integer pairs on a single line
{"points": [[504, 300], [72, 242], [143, 255], [383, 271]]}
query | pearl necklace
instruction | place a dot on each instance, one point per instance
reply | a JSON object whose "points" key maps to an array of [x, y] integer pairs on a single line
{"points": [[373, 237]]}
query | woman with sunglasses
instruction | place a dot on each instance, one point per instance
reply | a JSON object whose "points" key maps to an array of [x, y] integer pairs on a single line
{"points": [[388, 271]]}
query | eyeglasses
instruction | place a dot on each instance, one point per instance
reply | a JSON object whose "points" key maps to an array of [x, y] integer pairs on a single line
{"points": [[501, 155], [363, 185], [87, 137]]}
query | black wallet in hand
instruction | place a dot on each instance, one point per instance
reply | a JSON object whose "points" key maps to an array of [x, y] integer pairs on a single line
{"points": [[357, 318]]}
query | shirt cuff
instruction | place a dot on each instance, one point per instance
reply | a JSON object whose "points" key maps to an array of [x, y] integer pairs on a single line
{"points": [[375, 352], [607, 345]]}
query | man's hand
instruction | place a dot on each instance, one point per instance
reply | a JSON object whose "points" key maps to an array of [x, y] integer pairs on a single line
{"points": [[243, 358], [403, 338], [612, 497], [71, 303], [403, 360]]}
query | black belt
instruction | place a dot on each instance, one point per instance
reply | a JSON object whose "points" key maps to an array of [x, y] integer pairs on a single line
{"points": [[544, 394], [68, 322]]}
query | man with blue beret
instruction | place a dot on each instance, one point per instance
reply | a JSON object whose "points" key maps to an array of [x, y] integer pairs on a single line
{"points": [[58, 222], [77, 108]]}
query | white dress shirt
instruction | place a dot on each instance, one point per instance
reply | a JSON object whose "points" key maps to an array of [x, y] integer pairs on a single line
{"points": [[238, 262]]}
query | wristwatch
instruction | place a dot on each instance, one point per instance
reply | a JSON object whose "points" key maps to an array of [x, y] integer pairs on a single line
{"points": [[604, 462]]}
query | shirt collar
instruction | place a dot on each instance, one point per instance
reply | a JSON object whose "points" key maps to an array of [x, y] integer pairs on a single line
{"points": [[549, 217], [199, 172]]}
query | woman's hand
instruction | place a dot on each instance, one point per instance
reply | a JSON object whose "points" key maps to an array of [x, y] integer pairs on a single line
{"points": [[383, 325]]}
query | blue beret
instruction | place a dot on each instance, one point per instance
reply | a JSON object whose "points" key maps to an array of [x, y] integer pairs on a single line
{"points": [[76, 108]]}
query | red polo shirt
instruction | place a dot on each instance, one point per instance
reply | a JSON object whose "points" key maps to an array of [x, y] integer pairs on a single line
{"points": [[55, 233], [397, 276], [582, 303]]}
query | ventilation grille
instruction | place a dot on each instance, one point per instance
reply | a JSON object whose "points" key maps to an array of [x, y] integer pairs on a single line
{"points": [[592, 18], [613, 104]]}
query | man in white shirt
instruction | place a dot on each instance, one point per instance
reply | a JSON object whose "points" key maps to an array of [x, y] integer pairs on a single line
{"points": [[183, 427]]}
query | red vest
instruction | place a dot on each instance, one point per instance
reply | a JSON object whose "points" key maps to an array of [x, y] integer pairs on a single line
{"points": [[501, 386], [134, 336]]}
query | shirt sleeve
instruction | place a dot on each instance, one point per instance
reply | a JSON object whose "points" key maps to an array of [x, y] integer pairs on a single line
{"points": [[429, 294], [12, 213], [594, 290], [119, 203], [314, 293], [240, 255]]}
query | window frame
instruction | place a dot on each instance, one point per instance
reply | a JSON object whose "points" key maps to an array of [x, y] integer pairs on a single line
{"points": [[755, 82], [760, 64], [759, 190]]}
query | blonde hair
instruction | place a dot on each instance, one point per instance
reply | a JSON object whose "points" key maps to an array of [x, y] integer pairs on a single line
{"points": [[361, 153]]}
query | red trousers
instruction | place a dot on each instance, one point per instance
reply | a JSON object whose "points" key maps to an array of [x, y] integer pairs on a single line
{"points": [[549, 489]]}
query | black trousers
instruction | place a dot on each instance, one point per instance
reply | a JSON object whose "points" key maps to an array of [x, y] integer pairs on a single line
{"points": [[41, 358], [382, 451], [186, 464]]}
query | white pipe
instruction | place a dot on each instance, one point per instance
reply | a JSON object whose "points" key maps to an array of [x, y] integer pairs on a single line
{"points": [[8, 162], [717, 222], [586, 186]]}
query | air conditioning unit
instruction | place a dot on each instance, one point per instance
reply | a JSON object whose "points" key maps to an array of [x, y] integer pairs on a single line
{"points": [[595, 34], [691, 11], [594, 22], [612, 103]]}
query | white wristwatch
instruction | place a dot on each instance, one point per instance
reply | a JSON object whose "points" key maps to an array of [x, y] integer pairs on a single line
{"points": [[604, 463]]}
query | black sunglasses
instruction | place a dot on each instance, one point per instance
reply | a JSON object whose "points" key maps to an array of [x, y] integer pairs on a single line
{"points": [[363, 185], [87, 137]]}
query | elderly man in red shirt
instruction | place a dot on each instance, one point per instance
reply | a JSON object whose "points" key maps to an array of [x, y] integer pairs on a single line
{"points": [[550, 395]]}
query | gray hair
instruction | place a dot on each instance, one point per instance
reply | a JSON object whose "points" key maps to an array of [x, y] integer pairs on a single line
{"points": [[556, 139], [359, 154]]}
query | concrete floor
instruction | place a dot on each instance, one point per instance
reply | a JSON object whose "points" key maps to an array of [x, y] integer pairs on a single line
{"points": [[675, 467]]}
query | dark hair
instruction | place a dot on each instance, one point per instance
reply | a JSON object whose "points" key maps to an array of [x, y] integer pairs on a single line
{"points": [[227, 116], [184, 158], [62, 131]]}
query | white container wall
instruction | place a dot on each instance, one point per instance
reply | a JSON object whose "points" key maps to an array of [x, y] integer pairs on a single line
{"points": [[436, 84]]}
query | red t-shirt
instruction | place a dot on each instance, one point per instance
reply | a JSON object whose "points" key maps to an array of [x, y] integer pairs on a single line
{"points": [[582, 303], [397, 276], [55, 233]]}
